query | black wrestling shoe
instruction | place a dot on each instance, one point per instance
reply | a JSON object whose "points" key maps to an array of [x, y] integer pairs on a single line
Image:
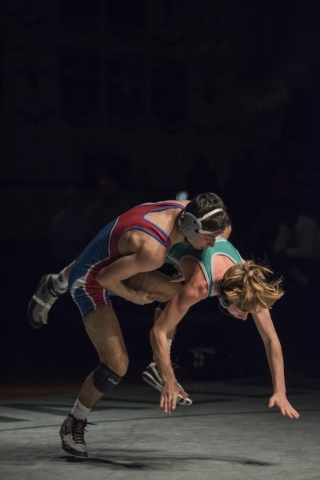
{"points": [[41, 302], [151, 376], [72, 436]]}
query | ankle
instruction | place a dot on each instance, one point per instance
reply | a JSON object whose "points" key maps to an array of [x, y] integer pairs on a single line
{"points": [[55, 285]]}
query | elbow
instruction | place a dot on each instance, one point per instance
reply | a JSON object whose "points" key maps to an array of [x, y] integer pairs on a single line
{"points": [[156, 334]]}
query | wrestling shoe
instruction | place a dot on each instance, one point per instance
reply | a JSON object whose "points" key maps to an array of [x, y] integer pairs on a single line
{"points": [[151, 375], [72, 436], [41, 302]]}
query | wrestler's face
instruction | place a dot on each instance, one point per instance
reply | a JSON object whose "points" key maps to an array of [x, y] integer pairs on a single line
{"points": [[204, 240], [237, 313]]}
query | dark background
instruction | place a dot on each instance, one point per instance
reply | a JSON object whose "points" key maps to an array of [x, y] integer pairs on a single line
{"points": [[108, 103]]}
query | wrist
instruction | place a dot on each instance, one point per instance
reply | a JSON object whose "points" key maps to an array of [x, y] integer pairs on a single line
{"points": [[168, 377], [279, 391]]}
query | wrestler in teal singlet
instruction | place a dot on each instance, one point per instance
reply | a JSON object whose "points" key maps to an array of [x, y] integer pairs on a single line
{"points": [[204, 257]]}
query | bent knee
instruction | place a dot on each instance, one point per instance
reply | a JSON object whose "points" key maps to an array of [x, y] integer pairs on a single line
{"points": [[118, 364]]}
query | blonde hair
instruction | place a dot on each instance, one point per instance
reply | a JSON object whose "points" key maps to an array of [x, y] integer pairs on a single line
{"points": [[245, 286]]}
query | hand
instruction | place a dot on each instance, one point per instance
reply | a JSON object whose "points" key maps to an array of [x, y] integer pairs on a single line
{"points": [[169, 396], [281, 401], [141, 298]]}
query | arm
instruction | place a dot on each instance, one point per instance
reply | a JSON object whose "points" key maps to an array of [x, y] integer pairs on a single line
{"points": [[111, 277], [194, 290], [272, 345]]}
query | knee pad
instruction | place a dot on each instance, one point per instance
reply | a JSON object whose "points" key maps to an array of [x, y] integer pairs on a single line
{"points": [[103, 379]]}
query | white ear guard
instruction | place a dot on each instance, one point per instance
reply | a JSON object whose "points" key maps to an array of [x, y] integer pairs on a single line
{"points": [[192, 226]]}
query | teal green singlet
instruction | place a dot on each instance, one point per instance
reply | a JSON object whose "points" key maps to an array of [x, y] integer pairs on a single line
{"points": [[204, 257]]}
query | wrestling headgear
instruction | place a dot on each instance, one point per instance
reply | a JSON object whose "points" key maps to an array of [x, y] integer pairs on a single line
{"points": [[192, 226]]}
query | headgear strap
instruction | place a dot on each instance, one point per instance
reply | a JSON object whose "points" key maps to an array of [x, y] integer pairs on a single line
{"points": [[209, 214]]}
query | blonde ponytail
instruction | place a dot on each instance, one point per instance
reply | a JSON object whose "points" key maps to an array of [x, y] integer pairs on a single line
{"points": [[246, 286]]}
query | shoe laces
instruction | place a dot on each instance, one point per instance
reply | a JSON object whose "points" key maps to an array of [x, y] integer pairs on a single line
{"points": [[51, 289], [78, 429]]}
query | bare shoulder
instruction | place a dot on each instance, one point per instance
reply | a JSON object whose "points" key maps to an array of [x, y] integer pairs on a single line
{"points": [[147, 248]]}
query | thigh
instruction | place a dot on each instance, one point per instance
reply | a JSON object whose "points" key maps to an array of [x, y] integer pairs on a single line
{"points": [[105, 333], [156, 283]]}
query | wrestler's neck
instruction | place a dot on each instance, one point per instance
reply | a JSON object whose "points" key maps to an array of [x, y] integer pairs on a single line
{"points": [[176, 235]]}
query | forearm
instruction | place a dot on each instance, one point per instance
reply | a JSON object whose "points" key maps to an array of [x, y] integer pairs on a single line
{"points": [[117, 288], [168, 320], [276, 364], [114, 277], [166, 323], [274, 354], [273, 348], [160, 348]]}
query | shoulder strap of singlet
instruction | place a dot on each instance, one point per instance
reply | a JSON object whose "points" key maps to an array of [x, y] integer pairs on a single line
{"points": [[135, 219]]}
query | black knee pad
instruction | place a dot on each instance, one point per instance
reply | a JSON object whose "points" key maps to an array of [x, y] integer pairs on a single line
{"points": [[103, 379]]}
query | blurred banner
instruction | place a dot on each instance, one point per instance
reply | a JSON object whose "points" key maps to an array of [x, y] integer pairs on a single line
{"points": [[125, 90], [208, 98], [80, 84], [169, 91], [32, 83]]}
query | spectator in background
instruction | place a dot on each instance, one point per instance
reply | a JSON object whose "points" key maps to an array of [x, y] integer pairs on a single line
{"points": [[297, 241], [277, 184], [297, 248], [69, 232]]}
